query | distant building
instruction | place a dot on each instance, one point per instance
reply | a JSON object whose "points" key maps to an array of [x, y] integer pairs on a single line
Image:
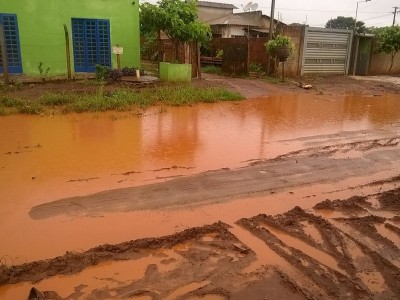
{"points": [[227, 24], [34, 33]]}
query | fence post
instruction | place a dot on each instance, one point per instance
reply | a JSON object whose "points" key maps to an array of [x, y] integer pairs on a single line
{"points": [[4, 55], [67, 51]]}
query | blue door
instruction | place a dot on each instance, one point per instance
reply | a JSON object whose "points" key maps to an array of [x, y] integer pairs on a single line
{"points": [[91, 40], [11, 37]]}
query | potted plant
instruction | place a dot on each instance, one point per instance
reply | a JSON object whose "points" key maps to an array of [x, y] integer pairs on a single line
{"points": [[281, 47], [255, 69]]}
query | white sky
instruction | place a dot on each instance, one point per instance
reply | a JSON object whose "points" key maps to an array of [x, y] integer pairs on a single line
{"points": [[376, 13]]}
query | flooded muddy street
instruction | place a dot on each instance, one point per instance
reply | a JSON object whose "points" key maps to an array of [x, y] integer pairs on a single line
{"points": [[212, 186]]}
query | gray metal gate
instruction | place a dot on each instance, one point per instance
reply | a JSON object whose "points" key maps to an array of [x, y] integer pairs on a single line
{"points": [[326, 51]]}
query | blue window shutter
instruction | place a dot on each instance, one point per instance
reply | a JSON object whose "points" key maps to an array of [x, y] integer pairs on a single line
{"points": [[12, 45], [91, 43]]}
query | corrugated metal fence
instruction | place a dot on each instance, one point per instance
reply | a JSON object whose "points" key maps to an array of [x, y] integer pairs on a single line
{"points": [[326, 51]]}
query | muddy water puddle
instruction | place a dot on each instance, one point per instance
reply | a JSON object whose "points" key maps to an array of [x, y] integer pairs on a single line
{"points": [[45, 158], [112, 274]]}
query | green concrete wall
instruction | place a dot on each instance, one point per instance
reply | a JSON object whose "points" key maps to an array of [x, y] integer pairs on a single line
{"points": [[175, 72], [41, 31]]}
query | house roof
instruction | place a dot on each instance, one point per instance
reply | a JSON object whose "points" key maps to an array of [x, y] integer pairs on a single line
{"points": [[236, 19], [216, 5]]}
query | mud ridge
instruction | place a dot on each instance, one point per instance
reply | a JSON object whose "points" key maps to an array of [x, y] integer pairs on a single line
{"points": [[72, 262]]}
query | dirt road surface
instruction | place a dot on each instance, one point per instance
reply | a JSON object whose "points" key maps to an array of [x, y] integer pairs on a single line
{"points": [[318, 220]]}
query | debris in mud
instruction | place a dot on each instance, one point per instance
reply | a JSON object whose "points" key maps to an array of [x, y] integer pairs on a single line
{"points": [[171, 168], [303, 85], [390, 200], [353, 204], [83, 179], [127, 173]]}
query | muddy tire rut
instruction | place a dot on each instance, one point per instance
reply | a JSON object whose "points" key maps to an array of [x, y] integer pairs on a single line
{"points": [[341, 249]]}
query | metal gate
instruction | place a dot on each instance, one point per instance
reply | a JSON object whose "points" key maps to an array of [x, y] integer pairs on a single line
{"points": [[91, 39], [11, 37], [326, 51], [235, 56]]}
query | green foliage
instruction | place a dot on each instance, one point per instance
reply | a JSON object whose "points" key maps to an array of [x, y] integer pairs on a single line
{"points": [[118, 100], [10, 102], [30, 108], [255, 67], [211, 69], [105, 74], [148, 48], [56, 99], [279, 41], [43, 72], [389, 42], [102, 73], [346, 23], [219, 53], [176, 18]]}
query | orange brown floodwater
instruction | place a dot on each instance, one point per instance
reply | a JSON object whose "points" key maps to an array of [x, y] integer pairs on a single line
{"points": [[46, 158]]}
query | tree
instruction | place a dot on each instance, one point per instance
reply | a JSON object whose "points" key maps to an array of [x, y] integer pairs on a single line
{"points": [[389, 42], [346, 23], [177, 19]]}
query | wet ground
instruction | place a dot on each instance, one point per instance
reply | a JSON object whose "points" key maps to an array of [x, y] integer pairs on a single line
{"points": [[71, 183]]}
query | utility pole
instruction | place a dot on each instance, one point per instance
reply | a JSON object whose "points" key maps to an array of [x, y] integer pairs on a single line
{"points": [[271, 32], [272, 22], [394, 14]]}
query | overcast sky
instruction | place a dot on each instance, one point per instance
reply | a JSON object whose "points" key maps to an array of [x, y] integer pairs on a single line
{"points": [[376, 13]]}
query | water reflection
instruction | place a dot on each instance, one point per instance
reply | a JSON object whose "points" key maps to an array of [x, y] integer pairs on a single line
{"points": [[40, 151], [47, 158]]}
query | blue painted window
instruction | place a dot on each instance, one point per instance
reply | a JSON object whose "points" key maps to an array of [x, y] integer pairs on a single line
{"points": [[91, 40], [10, 25]]}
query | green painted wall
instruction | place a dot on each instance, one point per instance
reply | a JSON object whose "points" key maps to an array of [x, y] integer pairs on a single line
{"points": [[175, 72], [41, 31]]}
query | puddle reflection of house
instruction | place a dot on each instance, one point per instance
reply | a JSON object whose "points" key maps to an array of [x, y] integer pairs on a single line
{"points": [[176, 136]]}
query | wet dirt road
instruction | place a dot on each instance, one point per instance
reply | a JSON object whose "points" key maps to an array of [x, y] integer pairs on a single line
{"points": [[351, 141]]}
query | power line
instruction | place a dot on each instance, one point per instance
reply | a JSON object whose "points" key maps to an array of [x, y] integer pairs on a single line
{"points": [[327, 11]]}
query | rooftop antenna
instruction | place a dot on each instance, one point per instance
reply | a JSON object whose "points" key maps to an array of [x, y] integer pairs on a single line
{"points": [[254, 6], [247, 6]]}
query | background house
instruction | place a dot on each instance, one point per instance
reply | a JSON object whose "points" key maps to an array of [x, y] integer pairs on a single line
{"points": [[34, 33], [225, 23], [209, 11]]}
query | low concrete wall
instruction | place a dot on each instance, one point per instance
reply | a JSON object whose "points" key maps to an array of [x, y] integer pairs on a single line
{"points": [[175, 72], [293, 64], [380, 63]]}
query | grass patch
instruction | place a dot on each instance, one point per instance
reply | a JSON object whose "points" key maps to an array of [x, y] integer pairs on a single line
{"points": [[211, 70], [30, 108], [57, 99], [119, 99]]}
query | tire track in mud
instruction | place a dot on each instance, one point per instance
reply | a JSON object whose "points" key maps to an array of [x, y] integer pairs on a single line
{"points": [[342, 249], [370, 260]]}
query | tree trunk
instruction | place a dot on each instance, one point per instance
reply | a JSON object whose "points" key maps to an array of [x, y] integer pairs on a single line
{"points": [[176, 51], [392, 61]]}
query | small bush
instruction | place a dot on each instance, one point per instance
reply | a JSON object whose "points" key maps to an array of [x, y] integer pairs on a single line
{"points": [[101, 73], [211, 70], [56, 99], [11, 102], [126, 71], [30, 108]]}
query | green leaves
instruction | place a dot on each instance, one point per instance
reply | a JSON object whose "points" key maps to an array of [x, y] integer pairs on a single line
{"points": [[279, 41], [176, 18], [389, 41], [346, 23]]}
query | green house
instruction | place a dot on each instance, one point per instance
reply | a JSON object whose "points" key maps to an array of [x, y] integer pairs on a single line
{"points": [[34, 33]]}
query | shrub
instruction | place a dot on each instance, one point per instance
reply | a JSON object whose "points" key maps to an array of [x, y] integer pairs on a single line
{"points": [[279, 41]]}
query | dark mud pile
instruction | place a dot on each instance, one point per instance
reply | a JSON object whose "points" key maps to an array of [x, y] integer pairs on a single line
{"points": [[342, 249]]}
